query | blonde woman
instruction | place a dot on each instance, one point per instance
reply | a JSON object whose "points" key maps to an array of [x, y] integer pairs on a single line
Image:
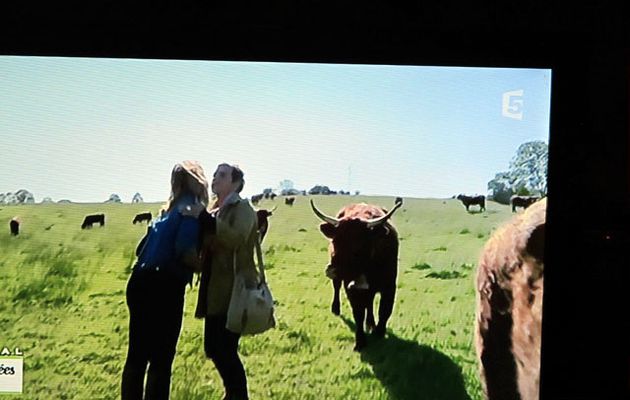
{"points": [[167, 257]]}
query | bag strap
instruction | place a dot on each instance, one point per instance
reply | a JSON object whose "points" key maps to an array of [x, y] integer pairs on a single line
{"points": [[261, 264]]}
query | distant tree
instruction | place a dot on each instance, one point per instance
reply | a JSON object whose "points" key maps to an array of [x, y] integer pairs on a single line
{"points": [[286, 184], [289, 192], [319, 189], [114, 198], [527, 173], [137, 198]]}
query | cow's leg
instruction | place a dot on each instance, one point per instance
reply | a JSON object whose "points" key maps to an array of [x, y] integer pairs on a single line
{"points": [[369, 322], [357, 299], [385, 309], [336, 306]]}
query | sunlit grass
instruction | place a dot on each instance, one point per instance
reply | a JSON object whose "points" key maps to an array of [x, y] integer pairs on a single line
{"points": [[63, 303]]}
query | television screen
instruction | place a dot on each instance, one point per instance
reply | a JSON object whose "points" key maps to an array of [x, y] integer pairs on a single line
{"points": [[458, 154]]}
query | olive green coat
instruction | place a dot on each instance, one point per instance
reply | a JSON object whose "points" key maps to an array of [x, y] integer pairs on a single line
{"points": [[232, 248]]}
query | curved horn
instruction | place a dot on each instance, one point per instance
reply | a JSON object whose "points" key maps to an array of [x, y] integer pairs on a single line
{"points": [[272, 210], [324, 217], [371, 223]]}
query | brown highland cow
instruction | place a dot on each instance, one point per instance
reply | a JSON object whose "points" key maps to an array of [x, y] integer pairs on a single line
{"points": [[509, 307]]}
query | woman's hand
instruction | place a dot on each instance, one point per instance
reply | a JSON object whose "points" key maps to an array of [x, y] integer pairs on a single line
{"points": [[193, 210]]}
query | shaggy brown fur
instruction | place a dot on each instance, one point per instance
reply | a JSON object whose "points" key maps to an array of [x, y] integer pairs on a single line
{"points": [[509, 307]]}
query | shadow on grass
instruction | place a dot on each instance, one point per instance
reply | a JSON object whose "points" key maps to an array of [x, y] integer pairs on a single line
{"points": [[412, 371]]}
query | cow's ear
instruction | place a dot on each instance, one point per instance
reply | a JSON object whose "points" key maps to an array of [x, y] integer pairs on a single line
{"points": [[328, 230]]}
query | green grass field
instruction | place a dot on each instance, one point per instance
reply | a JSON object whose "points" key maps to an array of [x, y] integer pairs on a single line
{"points": [[63, 303]]}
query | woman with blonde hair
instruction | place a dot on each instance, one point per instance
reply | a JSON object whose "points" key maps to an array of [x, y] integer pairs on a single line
{"points": [[167, 258]]}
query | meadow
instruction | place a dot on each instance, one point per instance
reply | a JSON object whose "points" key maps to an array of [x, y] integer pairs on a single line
{"points": [[63, 303]]}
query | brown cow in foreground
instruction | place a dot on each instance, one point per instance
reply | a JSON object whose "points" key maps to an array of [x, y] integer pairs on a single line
{"points": [[509, 307], [364, 257]]}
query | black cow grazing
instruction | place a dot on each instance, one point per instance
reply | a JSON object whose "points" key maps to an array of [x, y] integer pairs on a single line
{"points": [[522, 201], [272, 196], [263, 222], [509, 296], [14, 225], [473, 200], [93, 219], [256, 198], [364, 257], [146, 216], [289, 201]]}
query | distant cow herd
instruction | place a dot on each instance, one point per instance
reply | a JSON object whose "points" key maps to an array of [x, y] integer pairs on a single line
{"points": [[255, 199], [363, 252]]}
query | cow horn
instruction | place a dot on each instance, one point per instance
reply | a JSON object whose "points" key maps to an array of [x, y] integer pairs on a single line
{"points": [[324, 217], [371, 223], [273, 209]]}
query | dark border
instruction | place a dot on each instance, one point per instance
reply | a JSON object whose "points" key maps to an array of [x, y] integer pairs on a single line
{"points": [[585, 336]]}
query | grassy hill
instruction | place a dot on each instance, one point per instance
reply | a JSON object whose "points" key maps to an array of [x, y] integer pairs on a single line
{"points": [[63, 304]]}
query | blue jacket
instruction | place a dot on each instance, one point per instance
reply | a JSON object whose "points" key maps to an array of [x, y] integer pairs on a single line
{"points": [[169, 237]]}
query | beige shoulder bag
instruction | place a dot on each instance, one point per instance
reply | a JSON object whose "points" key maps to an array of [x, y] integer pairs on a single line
{"points": [[251, 310]]}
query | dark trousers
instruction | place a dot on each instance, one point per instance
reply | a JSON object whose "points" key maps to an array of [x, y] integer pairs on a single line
{"points": [[156, 305], [221, 346]]}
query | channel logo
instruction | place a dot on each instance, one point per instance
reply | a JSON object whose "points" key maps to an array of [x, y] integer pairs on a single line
{"points": [[11, 370], [512, 106]]}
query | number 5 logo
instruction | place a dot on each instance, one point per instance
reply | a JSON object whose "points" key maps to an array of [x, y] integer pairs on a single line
{"points": [[513, 104]]}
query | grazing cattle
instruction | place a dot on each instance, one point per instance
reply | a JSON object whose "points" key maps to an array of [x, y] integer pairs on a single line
{"points": [[473, 200], [263, 222], [272, 196], [364, 247], [289, 201], [93, 219], [522, 201], [14, 226], [142, 217], [256, 198], [509, 307]]}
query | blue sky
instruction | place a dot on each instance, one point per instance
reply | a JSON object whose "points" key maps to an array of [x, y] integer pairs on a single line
{"points": [[82, 129]]}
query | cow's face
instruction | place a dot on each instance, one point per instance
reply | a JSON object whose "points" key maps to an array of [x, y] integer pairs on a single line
{"points": [[351, 246]]}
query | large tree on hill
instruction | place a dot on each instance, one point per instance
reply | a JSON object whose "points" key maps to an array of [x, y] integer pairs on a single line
{"points": [[527, 174]]}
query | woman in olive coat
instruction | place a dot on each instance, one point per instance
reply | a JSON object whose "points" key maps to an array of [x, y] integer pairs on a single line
{"points": [[230, 232]]}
